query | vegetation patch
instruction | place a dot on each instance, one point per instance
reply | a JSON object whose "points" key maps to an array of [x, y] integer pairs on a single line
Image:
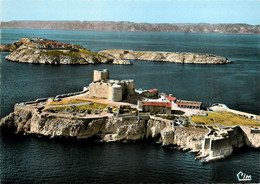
{"points": [[168, 116], [89, 53], [224, 118], [67, 101], [187, 124], [90, 107], [60, 52]]}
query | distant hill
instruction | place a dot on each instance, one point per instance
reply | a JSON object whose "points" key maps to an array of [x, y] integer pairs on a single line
{"points": [[131, 26]]}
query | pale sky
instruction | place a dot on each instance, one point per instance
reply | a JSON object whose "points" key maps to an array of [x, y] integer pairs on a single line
{"points": [[151, 11]]}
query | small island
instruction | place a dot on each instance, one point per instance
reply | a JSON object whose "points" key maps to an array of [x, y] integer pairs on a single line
{"points": [[35, 50], [174, 57], [113, 110]]}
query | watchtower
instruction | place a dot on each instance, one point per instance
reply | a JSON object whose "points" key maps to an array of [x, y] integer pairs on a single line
{"points": [[100, 75]]}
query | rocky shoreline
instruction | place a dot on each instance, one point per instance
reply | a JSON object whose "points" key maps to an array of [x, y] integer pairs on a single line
{"points": [[35, 50], [28, 120]]}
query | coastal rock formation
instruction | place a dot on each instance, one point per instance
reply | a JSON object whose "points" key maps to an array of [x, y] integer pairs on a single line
{"points": [[187, 138], [131, 26], [28, 120], [218, 147], [10, 47], [45, 51], [31, 121], [252, 139], [176, 57]]}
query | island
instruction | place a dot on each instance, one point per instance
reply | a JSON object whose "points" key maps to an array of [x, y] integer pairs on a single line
{"points": [[36, 50], [174, 57], [114, 111]]}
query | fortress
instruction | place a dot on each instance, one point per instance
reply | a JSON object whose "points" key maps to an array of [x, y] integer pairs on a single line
{"points": [[157, 116], [113, 90]]}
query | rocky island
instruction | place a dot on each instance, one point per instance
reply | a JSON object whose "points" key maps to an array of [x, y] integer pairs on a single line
{"points": [[175, 57], [33, 50], [112, 110]]}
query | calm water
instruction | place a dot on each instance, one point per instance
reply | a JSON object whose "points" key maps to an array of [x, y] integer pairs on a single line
{"points": [[30, 160]]}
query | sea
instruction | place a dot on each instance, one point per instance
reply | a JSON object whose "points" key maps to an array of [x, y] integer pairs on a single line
{"points": [[30, 159]]}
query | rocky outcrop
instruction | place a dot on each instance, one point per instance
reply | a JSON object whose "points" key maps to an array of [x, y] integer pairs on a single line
{"points": [[186, 138], [252, 139], [54, 57], [132, 26], [175, 57], [10, 47], [46, 51], [218, 147], [29, 120]]}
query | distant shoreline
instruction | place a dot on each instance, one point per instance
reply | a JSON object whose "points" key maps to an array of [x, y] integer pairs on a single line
{"points": [[134, 27]]}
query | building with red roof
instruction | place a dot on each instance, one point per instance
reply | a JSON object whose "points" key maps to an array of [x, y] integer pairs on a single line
{"points": [[56, 44], [171, 98], [165, 104], [188, 104], [156, 107]]}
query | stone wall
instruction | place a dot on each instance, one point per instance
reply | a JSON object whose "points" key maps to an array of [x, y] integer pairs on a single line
{"points": [[221, 147], [115, 93], [130, 86], [99, 90]]}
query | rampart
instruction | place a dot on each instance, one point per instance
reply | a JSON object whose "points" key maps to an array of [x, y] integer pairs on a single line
{"points": [[245, 114]]}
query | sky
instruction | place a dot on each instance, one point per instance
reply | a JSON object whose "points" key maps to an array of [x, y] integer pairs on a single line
{"points": [[151, 11]]}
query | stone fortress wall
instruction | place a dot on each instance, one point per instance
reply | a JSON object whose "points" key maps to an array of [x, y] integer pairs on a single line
{"points": [[113, 90]]}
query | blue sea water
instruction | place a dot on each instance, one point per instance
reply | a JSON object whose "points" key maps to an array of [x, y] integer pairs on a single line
{"points": [[30, 160]]}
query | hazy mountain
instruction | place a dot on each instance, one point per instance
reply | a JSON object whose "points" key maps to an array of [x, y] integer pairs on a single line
{"points": [[131, 26]]}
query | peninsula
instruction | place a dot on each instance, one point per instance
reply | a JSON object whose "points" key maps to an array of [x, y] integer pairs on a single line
{"points": [[35, 50], [113, 110]]}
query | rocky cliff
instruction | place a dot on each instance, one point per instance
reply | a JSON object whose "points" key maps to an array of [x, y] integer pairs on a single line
{"points": [[131, 26], [175, 57], [46, 51], [29, 120]]}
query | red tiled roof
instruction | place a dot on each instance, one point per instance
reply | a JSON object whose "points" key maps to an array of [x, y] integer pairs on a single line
{"points": [[153, 90], [55, 43], [171, 98], [158, 104]]}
